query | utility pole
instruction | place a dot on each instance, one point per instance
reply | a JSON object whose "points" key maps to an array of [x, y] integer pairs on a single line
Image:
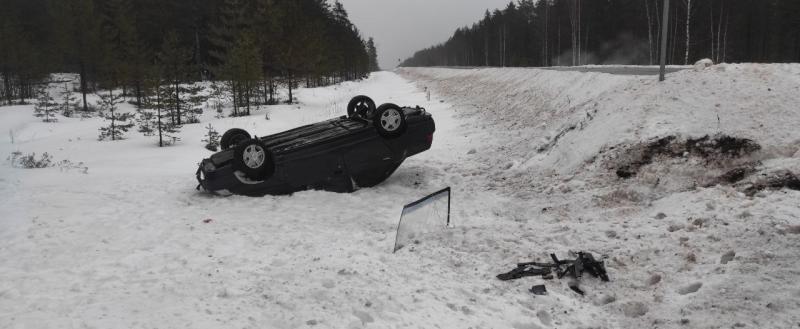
{"points": [[664, 29]]}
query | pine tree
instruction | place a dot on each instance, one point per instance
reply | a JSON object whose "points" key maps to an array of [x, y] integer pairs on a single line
{"points": [[174, 60], [194, 103], [167, 129], [264, 29], [119, 122], [119, 33], [69, 103], [140, 63], [153, 116], [298, 38], [243, 73], [45, 105], [218, 97], [373, 56], [146, 121], [231, 21], [78, 37]]}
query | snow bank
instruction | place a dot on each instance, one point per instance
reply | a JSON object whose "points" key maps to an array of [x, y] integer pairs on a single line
{"points": [[565, 119]]}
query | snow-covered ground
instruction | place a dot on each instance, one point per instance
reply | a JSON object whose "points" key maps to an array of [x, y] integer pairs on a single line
{"points": [[129, 244], [550, 141]]}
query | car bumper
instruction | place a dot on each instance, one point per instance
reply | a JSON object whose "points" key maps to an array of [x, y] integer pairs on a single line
{"points": [[215, 181], [223, 180]]}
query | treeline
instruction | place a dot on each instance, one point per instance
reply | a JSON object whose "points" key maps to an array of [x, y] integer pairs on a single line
{"points": [[142, 45], [580, 32]]}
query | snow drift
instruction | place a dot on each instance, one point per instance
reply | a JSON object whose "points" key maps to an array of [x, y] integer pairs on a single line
{"points": [[562, 123]]}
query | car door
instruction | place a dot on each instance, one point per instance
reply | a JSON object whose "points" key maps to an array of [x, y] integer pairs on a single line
{"points": [[371, 160]]}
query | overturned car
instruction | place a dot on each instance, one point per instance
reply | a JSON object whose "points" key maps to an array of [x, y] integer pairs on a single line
{"points": [[361, 149]]}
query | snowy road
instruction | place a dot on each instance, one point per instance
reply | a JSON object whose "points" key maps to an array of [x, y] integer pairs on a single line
{"points": [[127, 245], [618, 70], [631, 70]]}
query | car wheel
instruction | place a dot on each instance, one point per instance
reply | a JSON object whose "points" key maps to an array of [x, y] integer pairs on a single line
{"points": [[361, 107], [233, 137], [254, 160], [390, 120]]}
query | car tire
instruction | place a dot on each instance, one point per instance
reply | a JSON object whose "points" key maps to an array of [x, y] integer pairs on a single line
{"points": [[233, 137], [254, 159], [390, 120], [361, 107]]}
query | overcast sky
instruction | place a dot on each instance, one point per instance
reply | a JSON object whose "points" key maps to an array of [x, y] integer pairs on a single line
{"points": [[401, 27]]}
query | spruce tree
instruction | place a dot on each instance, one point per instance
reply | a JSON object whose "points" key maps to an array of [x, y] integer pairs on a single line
{"points": [[119, 123], [211, 139], [45, 105]]}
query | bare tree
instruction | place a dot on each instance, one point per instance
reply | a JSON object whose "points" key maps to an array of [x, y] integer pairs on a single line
{"points": [[575, 24], [688, 4], [725, 38], [713, 47], [649, 30], [546, 51], [719, 32]]}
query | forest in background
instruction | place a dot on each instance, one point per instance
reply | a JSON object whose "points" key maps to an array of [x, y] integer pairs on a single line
{"points": [[582, 32], [145, 46]]}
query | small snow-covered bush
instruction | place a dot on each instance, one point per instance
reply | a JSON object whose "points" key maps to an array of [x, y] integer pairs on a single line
{"points": [[29, 161], [66, 165], [193, 116]]}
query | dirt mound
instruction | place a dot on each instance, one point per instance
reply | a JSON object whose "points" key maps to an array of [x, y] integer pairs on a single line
{"points": [[770, 181], [717, 151], [737, 174], [706, 161]]}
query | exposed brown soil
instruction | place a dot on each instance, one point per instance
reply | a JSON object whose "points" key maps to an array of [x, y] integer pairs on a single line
{"points": [[716, 149], [773, 181]]}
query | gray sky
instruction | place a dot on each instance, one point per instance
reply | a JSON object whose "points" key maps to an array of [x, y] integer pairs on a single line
{"points": [[401, 27]]}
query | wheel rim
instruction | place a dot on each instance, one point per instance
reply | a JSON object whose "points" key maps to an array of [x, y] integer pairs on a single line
{"points": [[254, 156], [390, 120], [362, 108]]}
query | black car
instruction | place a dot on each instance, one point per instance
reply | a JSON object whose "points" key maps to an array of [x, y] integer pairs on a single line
{"points": [[361, 149]]}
